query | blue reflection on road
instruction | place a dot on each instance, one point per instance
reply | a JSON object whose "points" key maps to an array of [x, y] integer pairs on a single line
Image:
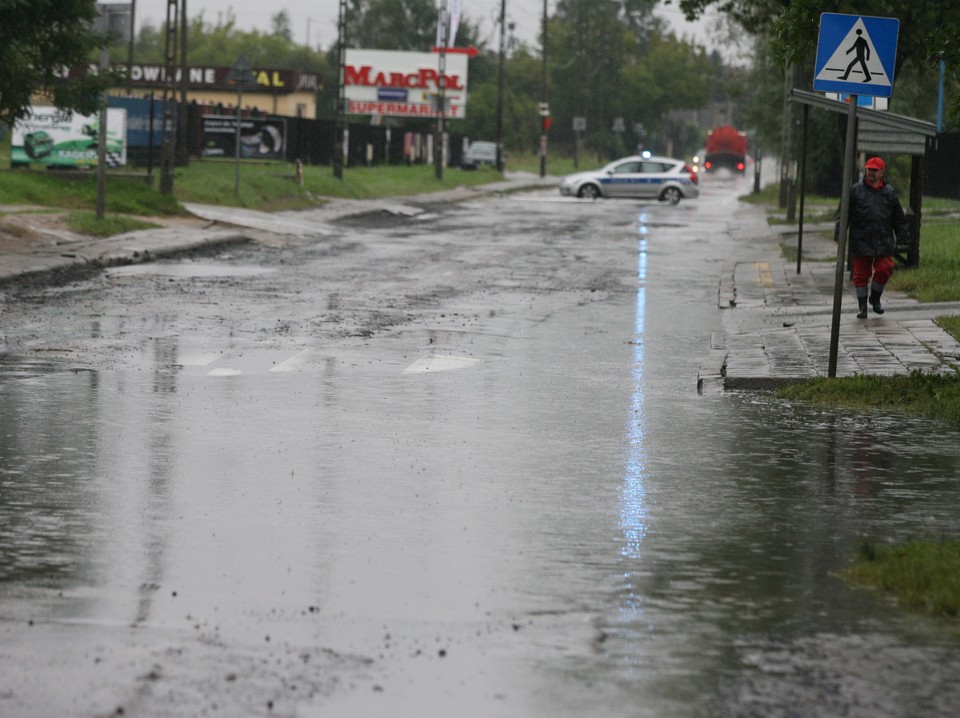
{"points": [[633, 509]]}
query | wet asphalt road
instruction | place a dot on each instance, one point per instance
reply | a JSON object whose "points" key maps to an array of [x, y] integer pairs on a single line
{"points": [[449, 464]]}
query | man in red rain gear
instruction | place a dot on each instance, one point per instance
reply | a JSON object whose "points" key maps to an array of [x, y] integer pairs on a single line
{"points": [[877, 220]]}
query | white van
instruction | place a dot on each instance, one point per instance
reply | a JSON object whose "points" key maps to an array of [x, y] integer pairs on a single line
{"points": [[479, 153]]}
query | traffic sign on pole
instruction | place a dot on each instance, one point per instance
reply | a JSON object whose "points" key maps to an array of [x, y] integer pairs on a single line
{"points": [[856, 54]]}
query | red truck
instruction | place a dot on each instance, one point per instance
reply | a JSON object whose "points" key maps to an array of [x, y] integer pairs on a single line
{"points": [[726, 147]]}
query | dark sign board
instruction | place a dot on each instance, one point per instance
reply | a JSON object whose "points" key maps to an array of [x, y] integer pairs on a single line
{"points": [[260, 139]]}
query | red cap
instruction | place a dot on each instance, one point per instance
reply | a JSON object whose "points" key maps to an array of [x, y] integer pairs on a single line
{"points": [[875, 163]]}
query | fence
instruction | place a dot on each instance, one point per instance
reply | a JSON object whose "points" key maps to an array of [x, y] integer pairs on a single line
{"points": [[211, 132], [942, 165]]}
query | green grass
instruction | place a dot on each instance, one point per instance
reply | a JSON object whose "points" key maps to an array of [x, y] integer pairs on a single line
{"points": [[86, 222], [265, 186], [950, 324], [922, 576], [929, 395], [816, 208], [933, 206], [937, 278], [271, 186], [75, 191], [557, 165]]}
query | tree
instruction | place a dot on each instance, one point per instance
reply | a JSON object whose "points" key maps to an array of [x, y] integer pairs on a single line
{"points": [[220, 43], [613, 62], [929, 31], [398, 25], [281, 25], [37, 39]]}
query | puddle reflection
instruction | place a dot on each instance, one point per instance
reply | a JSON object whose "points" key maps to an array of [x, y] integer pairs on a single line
{"points": [[633, 511]]}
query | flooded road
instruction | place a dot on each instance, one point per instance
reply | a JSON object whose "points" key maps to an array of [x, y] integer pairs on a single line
{"points": [[453, 464]]}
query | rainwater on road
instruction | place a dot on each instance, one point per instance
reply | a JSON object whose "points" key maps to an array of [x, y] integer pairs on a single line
{"points": [[451, 464]]}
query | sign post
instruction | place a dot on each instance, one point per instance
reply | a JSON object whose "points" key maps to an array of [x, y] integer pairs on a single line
{"points": [[241, 74], [579, 127], [855, 55]]}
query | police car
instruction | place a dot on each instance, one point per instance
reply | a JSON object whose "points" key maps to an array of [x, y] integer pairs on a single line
{"points": [[639, 177]]}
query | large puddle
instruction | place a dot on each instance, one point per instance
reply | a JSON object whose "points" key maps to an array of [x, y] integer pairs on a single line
{"points": [[386, 526]]}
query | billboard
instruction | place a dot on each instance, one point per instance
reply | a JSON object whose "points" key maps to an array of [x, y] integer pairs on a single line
{"points": [[277, 82], [404, 84], [260, 139], [145, 120], [60, 138]]}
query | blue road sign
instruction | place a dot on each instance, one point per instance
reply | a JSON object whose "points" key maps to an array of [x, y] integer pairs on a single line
{"points": [[856, 54]]}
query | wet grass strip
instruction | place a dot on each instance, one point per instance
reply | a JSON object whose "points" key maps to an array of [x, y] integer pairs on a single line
{"points": [[934, 279], [928, 395], [86, 222], [923, 576], [951, 325]]}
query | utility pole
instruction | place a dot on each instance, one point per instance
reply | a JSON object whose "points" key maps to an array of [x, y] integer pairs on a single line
{"points": [[341, 91], [544, 106], [442, 35], [168, 150], [503, 38], [102, 136], [133, 25], [183, 118]]}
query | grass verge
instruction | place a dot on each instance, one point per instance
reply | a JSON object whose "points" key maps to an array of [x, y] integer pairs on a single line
{"points": [[272, 186], [937, 278], [269, 186], [929, 395], [78, 191], [922, 576], [86, 222]]}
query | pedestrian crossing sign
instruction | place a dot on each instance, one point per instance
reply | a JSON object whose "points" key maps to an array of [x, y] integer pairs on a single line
{"points": [[856, 54]]}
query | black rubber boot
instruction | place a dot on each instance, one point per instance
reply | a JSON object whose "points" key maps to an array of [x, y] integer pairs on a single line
{"points": [[875, 299], [862, 314]]}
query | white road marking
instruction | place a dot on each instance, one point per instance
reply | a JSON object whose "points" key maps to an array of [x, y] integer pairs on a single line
{"points": [[294, 363], [440, 362]]}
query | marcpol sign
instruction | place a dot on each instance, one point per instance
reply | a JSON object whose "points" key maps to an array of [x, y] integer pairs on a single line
{"points": [[404, 84]]}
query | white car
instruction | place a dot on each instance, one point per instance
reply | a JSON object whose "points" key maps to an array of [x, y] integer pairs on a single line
{"points": [[480, 153], [663, 178]]}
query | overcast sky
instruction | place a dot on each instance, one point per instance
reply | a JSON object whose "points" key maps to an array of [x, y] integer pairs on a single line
{"points": [[322, 16]]}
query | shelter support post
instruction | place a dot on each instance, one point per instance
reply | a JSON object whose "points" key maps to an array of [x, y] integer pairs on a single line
{"points": [[803, 183]]}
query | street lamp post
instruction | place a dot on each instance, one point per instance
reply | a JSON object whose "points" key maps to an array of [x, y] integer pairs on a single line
{"points": [[503, 34]]}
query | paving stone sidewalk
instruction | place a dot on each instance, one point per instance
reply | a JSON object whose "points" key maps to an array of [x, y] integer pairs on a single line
{"points": [[778, 326]]}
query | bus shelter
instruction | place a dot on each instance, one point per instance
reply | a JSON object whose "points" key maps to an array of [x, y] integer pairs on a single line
{"points": [[881, 133]]}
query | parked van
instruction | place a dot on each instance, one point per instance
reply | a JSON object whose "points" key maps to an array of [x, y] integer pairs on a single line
{"points": [[479, 153]]}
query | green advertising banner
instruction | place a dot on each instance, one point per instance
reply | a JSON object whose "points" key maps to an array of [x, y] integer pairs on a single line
{"points": [[60, 138]]}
